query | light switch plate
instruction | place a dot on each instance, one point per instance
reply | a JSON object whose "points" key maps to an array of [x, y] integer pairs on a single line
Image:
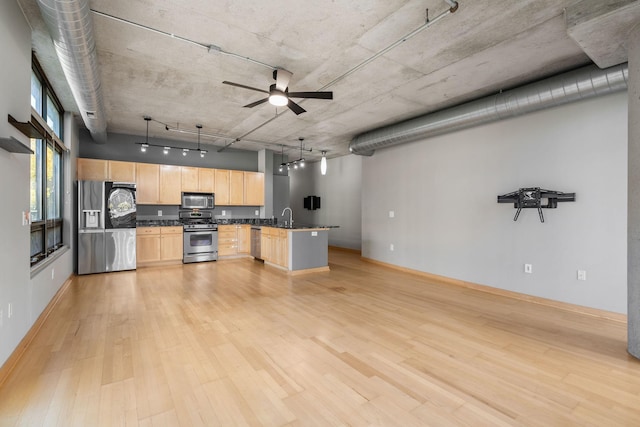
{"points": [[392, 214]]}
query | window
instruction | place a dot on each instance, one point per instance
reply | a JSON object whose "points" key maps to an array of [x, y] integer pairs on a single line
{"points": [[47, 166]]}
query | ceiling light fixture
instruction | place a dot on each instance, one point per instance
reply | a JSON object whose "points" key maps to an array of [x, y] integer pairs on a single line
{"points": [[202, 152], [323, 163], [145, 145], [281, 158], [277, 97], [167, 148], [296, 163]]}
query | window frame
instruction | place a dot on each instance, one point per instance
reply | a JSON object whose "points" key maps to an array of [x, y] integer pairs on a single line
{"points": [[52, 142]]}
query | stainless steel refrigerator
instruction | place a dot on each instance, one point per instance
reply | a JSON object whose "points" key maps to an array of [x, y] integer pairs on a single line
{"points": [[106, 226]]}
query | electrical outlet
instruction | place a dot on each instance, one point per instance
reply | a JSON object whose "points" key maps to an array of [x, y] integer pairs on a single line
{"points": [[9, 311], [159, 213], [582, 275], [391, 247], [528, 268], [224, 213], [256, 212], [392, 214]]}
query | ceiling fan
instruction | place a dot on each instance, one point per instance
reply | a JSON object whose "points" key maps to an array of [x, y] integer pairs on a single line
{"points": [[279, 94]]}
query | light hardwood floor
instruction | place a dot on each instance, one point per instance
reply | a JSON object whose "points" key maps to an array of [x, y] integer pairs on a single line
{"points": [[235, 343]]}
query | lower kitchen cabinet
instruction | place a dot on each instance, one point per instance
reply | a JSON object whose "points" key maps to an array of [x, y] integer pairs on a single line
{"points": [[158, 245], [234, 239], [275, 246]]}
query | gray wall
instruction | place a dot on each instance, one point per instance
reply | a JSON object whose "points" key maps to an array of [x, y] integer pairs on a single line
{"points": [[124, 147], [447, 222], [28, 295], [340, 194]]}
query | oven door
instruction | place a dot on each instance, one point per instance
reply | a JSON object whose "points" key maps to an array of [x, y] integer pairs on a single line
{"points": [[200, 245]]}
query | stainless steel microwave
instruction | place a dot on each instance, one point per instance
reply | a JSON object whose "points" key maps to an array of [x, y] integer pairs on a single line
{"points": [[197, 200]]}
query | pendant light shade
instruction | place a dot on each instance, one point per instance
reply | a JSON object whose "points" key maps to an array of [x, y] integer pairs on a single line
{"points": [[323, 163]]}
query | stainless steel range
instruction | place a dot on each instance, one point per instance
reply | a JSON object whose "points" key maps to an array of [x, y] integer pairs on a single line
{"points": [[200, 236]]}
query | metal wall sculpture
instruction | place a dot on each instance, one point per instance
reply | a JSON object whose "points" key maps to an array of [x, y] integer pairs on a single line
{"points": [[532, 198]]}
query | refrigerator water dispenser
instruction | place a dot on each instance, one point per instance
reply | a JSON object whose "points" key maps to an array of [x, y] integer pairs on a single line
{"points": [[91, 218]]}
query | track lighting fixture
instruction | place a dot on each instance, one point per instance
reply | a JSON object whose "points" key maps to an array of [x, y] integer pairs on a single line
{"points": [[167, 148], [323, 163], [296, 163]]}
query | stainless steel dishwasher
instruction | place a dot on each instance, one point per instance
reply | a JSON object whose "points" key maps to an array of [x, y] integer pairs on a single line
{"points": [[256, 241]]}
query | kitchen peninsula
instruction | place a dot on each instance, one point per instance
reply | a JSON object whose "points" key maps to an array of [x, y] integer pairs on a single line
{"points": [[297, 250]]}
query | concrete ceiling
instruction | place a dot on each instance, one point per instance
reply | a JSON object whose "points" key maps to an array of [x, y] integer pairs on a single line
{"points": [[484, 47]]}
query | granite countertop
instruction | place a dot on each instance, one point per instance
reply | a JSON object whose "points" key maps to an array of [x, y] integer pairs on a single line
{"points": [[177, 222], [158, 222]]}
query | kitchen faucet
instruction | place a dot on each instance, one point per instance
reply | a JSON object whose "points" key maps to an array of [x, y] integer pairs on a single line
{"points": [[290, 216]]}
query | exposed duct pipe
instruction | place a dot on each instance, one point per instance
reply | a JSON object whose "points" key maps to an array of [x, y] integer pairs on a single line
{"points": [[71, 29], [579, 84]]}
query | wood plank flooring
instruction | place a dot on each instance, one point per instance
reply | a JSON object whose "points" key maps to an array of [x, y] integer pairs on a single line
{"points": [[237, 343]]}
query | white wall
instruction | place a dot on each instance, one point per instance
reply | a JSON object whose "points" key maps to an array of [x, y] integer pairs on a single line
{"points": [[28, 296], [447, 221], [340, 193]]}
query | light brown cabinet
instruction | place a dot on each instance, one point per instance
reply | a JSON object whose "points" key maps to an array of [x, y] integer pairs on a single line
{"points": [[189, 178], [170, 185], [92, 169], [105, 170], [234, 239], [156, 245], [148, 183], [206, 180], [122, 171], [198, 179], [158, 184], [171, 243], [274, 246], [222, 187], [253, 188], [163, 184], [236, 187]]}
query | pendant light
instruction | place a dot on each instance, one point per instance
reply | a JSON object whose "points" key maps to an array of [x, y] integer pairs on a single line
{"points": [[301, 160], [323, 163], [202, 152], [281, 158], [143, 147]]}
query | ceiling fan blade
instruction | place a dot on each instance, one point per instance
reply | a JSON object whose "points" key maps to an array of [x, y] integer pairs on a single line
{"points": [[295, 107], [316, 95], [282, 79], [253, 104], [244, 86]]}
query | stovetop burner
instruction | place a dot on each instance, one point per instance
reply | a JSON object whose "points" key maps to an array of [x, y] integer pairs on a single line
{"points": [[198, 219]]}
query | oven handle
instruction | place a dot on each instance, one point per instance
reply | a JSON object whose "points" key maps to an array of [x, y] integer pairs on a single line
{"points": [[200, 232]]}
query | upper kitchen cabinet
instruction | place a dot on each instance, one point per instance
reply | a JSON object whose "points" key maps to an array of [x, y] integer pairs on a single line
{"points": [[92, 169], [170, 185], [236, 188], [222, 187], [254, 188], [206, 180], [190, 179], [148, 183], [122, 171], [200, 180], [106, 170]]}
